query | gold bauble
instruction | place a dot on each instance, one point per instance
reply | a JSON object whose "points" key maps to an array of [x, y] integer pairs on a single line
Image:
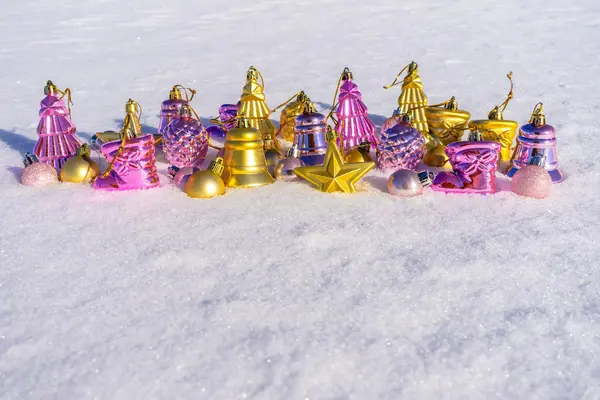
{"points": [[357, 155], [436, 157], [79, 168], [204, 185]]}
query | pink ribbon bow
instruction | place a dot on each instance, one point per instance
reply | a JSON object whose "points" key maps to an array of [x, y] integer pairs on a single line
{"points": [[484, 161]]}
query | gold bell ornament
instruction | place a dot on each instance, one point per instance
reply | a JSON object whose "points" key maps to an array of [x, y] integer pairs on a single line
{"points": [[446, 122], [253, 106], [131, 126], [207, 183], [80, 168], [334, 175], [272, 154], [412, 98], [293, 107], [497, 129], [244, 156]]}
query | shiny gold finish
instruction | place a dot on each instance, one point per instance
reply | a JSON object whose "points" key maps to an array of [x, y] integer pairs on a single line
{"points": [[538, 118], [80, 168], [244, 158], [447, 123], [131, 124], [436, 157], [253, 105], [359, 154], [413, 99], [208, 183], [334, 175], [497, 129], [289, 114]]}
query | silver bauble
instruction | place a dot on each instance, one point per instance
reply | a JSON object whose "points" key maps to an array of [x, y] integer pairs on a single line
{"points": [[408, 183], [285, 168]]}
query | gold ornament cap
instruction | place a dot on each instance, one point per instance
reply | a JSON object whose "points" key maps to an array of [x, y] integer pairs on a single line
{"points": [[452, 104], [175, 93], [50, 88], [538, 118], [216, 166]]}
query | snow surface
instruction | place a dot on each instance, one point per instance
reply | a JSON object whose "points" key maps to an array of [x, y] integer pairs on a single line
{"points": [[283, 292]]}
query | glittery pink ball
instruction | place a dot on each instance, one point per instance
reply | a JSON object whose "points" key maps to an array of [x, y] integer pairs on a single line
{"points": [[532, 181], [39, 174]]}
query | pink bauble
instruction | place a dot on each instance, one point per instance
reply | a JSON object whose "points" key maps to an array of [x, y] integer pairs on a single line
{"points": [[39, 174], [532, 181]]}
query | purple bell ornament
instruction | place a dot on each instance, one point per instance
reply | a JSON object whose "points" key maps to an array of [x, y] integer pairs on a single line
{"points": [[310, 136], [536, 139], [169, 109]]}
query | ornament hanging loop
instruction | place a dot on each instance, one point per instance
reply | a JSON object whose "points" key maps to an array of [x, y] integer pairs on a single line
{"points": [[496, 113], [345, 74], [396, 80], [288, 101], [187, 92]]}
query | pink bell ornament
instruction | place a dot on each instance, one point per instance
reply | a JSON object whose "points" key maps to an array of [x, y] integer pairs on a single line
{"points": [[474, 167], [536, 139], [169, 109], [400, 147], [37, 173], [57, 141], [353, 124], [185, 142]]}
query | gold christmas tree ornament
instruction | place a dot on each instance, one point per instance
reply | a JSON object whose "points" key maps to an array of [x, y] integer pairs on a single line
{"points": [[80, 168], [253, 105], [208, 183], [244, 159], [497, 129], [412, 98], [293, 107], [334, 175], [446, 122]]}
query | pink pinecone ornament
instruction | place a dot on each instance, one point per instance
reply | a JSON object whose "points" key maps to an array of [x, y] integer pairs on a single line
{"points": [[400, 147], [185, 141]]}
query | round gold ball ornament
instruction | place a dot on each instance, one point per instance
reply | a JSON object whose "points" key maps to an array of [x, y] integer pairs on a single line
{"points": [[359, 154], [207, 183], [80, 168]]}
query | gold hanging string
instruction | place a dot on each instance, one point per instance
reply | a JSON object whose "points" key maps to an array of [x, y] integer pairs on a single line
{"points": [[66, 92], [538, 110], [509, 97], [333, 102], [411, 109], [396, 82], [288, 101], [186, 90], [123, 140]]}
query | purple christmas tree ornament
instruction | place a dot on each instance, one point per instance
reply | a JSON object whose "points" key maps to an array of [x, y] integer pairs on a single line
{"points": [[354, 125], [400, 147], [57, 141], [185, 142]]}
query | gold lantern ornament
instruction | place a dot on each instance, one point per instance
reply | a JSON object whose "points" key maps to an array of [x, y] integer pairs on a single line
{"points": [[412, 98], [80, 168], [446, 122], [208, 183], [294, 106], [497, 129], [244, 159]]}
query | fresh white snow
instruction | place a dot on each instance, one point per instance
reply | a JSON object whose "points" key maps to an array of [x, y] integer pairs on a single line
{"points": [[283, 292]]}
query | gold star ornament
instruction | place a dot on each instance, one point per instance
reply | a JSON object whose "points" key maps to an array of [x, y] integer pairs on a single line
{"points": [[334, 175]]}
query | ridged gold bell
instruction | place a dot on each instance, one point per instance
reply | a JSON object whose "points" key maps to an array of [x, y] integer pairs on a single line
{"points": [[244, 157], [412, 98], [497, 129], [80, 168], [208, 183], [446, 121], [289, 114]]}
